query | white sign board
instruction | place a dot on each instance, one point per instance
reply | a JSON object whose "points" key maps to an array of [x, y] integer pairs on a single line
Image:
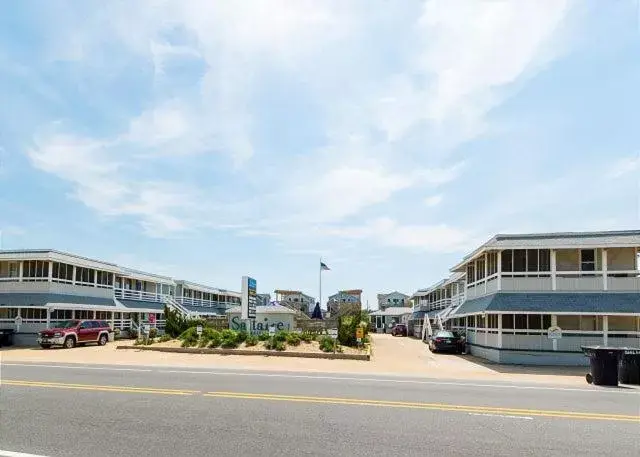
{"points": [[199, 330], [333, 332], [18, 320], [249, 298], [272, 330], [146, 328], [554, 333]]}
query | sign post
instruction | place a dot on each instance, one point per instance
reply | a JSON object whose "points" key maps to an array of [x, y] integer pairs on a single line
{"points": [[18, 322], [359, 334], [199, 330], [333, 333], [248, 301], [554, 333]]}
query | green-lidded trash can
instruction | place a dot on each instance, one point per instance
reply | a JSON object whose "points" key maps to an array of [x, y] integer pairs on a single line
{"points": [[604, 364], [629, 367]]}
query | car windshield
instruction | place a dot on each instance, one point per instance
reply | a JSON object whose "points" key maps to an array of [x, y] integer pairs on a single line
{"points": [[445, 335], [69, 324]]}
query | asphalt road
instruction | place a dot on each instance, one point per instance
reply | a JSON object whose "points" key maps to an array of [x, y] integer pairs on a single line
{"points": [[59, 410]]}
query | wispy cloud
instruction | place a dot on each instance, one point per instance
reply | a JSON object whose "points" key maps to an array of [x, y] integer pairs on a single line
{"points": [[433, 200], [625, 166]]}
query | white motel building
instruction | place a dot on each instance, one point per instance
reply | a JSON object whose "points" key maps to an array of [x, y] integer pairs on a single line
{"points": [[39, 288], [518, 286]]}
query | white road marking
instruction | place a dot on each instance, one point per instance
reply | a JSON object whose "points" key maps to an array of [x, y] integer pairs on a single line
{"points": [[17, 454], [631, 391], [501, 415]]}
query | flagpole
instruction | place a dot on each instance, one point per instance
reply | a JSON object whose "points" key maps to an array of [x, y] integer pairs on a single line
{"points": [[320, 282]]}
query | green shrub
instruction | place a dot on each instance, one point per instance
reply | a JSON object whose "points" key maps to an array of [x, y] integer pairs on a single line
{"points": [[189, 337], [280, 346], [138, 342], [251, 340], [281, 336], [153, 332], [164, 338], [347, 325], [274, 343], [264, 336], [307, 337], [242, 336], [228, 334], [229, 343], [293, 339], [326, 343]]}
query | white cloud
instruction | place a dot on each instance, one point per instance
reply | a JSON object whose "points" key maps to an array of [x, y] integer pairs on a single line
{"points": [[433, 200], [386, 231], [454, 71], [625, 166]]}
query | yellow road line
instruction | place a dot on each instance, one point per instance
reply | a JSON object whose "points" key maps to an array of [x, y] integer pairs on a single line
{"points": [[128, 389], [427, 406]]}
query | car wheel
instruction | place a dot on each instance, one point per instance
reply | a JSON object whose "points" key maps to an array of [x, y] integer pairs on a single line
{"points": [[69, 342], [103, 340], [45, 346], [589, 378]]}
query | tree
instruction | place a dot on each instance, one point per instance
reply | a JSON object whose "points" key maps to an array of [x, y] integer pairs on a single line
{"points": [[317, 312]]}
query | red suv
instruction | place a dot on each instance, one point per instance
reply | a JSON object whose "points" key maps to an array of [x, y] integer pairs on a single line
{"points": [[71, 333]]}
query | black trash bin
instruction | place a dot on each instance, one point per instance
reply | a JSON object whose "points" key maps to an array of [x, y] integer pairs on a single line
{"points": [[6, 337], [604, 364], [629, 367]]}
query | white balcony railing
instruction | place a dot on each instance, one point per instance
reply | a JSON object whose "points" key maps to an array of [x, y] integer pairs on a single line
{"points": [[128, 294], [205, 303]]}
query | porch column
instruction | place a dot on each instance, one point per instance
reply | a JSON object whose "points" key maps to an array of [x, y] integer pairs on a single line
{"points": [[73, 277], [499, 279], [50, 276], [486, 270], [604, 272], [20, 270], [605, 330], [93, 316], [48, 318], [554, 323], [95, 278], [499, 330], [553, 273], [112, 321]]}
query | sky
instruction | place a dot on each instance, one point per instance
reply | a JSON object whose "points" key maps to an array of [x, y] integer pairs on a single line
{"points": [[208, 140]]}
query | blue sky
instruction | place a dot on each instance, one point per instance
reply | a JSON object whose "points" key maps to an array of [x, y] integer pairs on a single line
{"points": [[208, 140]]}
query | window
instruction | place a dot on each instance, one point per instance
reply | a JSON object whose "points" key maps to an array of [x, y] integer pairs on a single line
{"points": [[492, 321], [532, 260], [591, 323], [472, 321], [507, 321], [480, 269], [623, 323], [520, 321], [545, 259], [546, 321], [34, 314], [535, 322], [519, 260], [492, 263], [8, 313], [62, 272], [569, 322], [471, 272], [84, 314], [105, 278], [85, 275], [35, 269], [61, 314], [102, 315], [587, 260], [507, 260]]}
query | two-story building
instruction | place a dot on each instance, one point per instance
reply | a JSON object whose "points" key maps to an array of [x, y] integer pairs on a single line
{"points": [[393, 299], [41, 288], [585, 285], [344, 301], [432, 305], [295, 299]]}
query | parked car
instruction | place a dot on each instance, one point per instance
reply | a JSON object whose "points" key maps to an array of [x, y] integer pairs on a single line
{"points": [[445, 340], [75, 332], [399, 329]]}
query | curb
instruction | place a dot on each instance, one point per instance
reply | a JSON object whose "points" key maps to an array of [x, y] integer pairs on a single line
{"points": [[304, 355]]}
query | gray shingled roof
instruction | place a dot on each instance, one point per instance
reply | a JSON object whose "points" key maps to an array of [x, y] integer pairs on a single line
{"points": [[587, 303], [29, 299], [142, 304], [558, 240]]}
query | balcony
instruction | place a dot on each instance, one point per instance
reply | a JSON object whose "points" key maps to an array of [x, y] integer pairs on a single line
{"points": [[565, 281], [205, 303], [128, 294]]}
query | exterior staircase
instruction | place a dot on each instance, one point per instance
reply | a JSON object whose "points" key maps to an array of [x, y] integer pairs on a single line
{"points": [[178, 307]]}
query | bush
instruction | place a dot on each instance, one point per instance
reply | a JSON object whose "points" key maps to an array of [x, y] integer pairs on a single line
{"points": [[229, 343], [274, 343], [293, 339], [189, 337], [282, 336], [264, 336], [242, 336], [215, 340], [164, 338], [347, 326], [251, 340], [138, 342], [153, 332], [326, 344], [307, 337], [175, 324]]}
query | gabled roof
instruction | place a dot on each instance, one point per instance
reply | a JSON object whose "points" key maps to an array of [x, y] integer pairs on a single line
{"points": [[555, 302], [393, 311], [395, 292], [454, 277], [559, 240]]}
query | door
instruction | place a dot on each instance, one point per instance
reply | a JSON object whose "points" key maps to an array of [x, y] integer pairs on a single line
{"points": [[87, 332]]}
